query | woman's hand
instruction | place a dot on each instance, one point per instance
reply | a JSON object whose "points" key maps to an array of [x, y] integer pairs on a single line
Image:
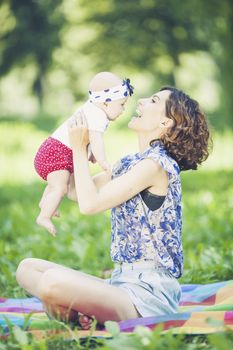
{"points": [[78, 132]]}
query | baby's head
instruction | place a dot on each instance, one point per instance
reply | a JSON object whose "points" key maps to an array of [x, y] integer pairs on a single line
{"points": [[110, 93]]}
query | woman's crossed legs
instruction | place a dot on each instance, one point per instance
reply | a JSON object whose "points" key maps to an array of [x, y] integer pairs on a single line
{"points": [[66, 292]]}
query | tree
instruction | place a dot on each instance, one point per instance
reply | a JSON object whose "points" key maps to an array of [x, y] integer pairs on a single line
{"points": [[138, 32], [32, 37], [218, 29]]}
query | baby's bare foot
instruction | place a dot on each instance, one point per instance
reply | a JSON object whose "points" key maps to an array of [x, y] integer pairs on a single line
{"points": [[47, 224], [56, 214]]}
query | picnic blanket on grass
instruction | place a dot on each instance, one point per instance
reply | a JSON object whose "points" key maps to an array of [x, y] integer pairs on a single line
{"points": [[203, 309]]}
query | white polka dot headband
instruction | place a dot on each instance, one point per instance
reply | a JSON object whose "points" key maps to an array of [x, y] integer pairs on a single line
{"points": [[115, 93]]}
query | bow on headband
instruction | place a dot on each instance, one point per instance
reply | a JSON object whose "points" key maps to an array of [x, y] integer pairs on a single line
{"points": [[130, 87]]}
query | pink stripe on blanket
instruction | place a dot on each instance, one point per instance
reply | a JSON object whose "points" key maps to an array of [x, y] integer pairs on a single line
{"points": [[208, 301], [228, 317], [18, 309]]}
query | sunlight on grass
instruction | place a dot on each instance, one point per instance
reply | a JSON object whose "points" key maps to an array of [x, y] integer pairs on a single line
{"points": [[18, 145], [19, 142]]}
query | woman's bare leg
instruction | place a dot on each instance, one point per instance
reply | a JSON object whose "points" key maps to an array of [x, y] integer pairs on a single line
{"points": [[55, 191], [74, 290], [39, 266], [31, 269]]}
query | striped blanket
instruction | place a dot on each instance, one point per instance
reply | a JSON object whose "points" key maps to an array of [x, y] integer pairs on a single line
{"points": [[203, 309]]}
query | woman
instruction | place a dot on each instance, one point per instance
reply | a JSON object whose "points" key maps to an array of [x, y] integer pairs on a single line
{"points": [[144, 194]]}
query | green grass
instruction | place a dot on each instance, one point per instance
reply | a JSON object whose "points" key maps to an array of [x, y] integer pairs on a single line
{"points": [[83, 242]]}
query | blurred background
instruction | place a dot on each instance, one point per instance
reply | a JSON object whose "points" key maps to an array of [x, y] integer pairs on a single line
{"points": [[49, 51]]}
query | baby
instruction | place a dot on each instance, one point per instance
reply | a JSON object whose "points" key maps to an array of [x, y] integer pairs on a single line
{"points": [[53, 161]]}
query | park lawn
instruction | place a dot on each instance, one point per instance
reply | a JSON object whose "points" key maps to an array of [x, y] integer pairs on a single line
{"points": [[83, 242]]}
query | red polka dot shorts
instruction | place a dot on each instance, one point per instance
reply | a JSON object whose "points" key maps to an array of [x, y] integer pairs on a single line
{"points": [[53, 155]]}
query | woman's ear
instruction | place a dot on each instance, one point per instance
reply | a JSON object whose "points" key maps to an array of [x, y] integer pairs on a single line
{"points": [[166, 123]]}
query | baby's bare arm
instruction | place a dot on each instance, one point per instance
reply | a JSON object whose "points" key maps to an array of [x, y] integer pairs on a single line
{"points": [[97, 148]]}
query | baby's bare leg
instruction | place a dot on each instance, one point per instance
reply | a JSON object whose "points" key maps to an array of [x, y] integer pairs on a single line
{"points": [[71, 194], [43, 196], [55, 191], [56, 213]]}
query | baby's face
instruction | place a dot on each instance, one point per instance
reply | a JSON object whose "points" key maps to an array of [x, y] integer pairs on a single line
{"points": [[116, 108]]}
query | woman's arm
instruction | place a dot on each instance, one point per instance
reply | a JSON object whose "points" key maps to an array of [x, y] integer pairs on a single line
{"points": [[99, 180], [93, 200]]}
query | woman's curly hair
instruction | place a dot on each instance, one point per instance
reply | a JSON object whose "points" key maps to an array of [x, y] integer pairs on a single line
{"points": [[187, 141]]}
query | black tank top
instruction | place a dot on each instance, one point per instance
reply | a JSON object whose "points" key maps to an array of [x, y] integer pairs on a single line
{"points": [[152, 201]]}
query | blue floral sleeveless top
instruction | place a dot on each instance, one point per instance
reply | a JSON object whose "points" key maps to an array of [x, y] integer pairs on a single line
{"points": [[140, 234]]}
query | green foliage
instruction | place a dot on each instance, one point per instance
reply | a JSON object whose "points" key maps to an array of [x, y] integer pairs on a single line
{"points": [[31, 35], [61, 43], [141, 33]]}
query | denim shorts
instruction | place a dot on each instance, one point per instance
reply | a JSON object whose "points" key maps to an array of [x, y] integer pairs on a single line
{"points": [[153, 290]]}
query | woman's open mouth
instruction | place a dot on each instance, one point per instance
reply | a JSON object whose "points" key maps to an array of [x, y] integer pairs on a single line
{"points": [[138, 115]]}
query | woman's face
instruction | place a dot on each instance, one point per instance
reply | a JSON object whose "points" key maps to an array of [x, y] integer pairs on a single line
{"points": [[150, 112]]}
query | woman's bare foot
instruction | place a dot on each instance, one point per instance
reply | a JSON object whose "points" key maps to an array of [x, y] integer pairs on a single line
{"points": [[85, 321], [75, 317], [47, 224], [64, 314]]}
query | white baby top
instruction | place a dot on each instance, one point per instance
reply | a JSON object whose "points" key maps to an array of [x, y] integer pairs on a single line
{"points": [[96, 121]]}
